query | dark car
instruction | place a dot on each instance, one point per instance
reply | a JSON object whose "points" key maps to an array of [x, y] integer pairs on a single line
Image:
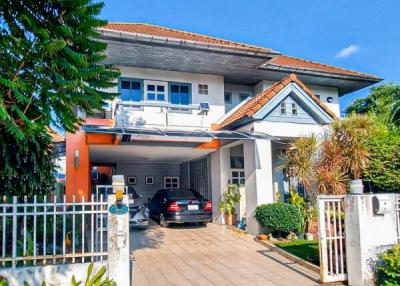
{"points": [[180, 206]]}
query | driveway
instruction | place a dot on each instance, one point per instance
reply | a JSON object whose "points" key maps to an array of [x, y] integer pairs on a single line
{"points": [[212, 255]]}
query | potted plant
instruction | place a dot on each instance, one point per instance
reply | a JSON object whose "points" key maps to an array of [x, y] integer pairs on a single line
{"points": [[231, 197]]}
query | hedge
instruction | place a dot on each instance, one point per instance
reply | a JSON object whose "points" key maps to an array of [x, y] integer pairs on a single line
{"points": [[280, 217]]}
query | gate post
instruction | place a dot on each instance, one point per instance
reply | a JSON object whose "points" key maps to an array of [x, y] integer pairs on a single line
{"points": [[370, 223], [118, 237]]}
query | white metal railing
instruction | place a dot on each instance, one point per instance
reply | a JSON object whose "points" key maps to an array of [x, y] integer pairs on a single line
{"points": [[397, 210], [331, 231], [41, 231]]}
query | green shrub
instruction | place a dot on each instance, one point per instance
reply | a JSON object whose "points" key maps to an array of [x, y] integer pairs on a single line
{"points": [[280, 218], [388, 272]]}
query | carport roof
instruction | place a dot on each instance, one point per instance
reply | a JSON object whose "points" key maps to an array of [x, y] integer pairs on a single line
{"points": [[156, 132]]}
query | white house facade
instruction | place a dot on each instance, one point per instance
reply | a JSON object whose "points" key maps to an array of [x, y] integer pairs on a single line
{"points": [[198, 112]]}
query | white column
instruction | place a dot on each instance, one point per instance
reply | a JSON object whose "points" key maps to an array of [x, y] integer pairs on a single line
{"points": [[118, 245], [368, 233], [259, 181], [220, 166]]}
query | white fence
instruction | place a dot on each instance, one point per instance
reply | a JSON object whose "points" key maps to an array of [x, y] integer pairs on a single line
{"points": [[331, 231], [42, 232]]}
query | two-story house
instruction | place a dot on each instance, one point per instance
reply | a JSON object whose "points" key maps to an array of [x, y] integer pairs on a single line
{"points": [[198, 112]]}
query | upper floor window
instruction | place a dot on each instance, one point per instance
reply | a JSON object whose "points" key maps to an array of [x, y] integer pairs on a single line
{"points": [[243, 96], [130, 89], [203, 88], [294, 108], [228, 98], [283, 108], [180, 93], [156, 91]]}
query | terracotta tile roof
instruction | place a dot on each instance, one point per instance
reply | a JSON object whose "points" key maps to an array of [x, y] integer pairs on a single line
{"points": [[257, 102], [291, 62], [154, 30], [57, 137]]}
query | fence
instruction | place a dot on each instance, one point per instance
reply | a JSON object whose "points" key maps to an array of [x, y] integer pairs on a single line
{"points": [[331, 230], [40, 232]]}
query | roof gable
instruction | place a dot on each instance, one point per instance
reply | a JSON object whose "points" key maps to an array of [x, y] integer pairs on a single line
{"points": [[257, 107]]}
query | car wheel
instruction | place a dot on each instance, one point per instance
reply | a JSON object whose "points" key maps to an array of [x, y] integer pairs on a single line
{"points": [[163, 223], [204, 223]]}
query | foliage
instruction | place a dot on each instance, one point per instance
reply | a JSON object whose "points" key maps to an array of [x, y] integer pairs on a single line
{"points": [[280, 218], [383, 170], [305, 249], [383, 102], [91, 280], [51, 64], [299, 160], [305, 209], [231, 197], [27, 166], [388, 272]]}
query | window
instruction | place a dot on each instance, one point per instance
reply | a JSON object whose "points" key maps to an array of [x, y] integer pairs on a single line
{"points": [[155, 91], [238, 177], [203, 88], [243, 96], [283, 108], [171, 182], [131, 90], [228, 98], [294, 108], [180, 93]]}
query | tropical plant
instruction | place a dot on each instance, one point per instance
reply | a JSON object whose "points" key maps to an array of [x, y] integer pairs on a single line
{"points": [[388, 271], [231, 198], [91, 280], [280, 218], [299, 160], [305, 208]]}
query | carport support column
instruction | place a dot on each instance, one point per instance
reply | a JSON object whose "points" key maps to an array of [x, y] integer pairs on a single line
{"points": [[220, 174], [259, 181]]}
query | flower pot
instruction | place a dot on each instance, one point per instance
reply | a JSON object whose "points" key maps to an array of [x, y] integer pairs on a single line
{"points": [[356, 187], [230, 219]]}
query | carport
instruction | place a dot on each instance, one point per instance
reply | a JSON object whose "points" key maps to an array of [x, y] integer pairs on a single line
{"points": [[152, 159]]}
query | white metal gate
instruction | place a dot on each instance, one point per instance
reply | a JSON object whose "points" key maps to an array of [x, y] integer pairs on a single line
{"points": [[397, 210], [332, 239]]}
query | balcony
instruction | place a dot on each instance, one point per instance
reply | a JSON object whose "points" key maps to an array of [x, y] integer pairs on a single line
{"points": [[166, 115]]}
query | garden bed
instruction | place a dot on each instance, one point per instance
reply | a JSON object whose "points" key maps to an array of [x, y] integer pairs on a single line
{"points": [[304, 249]]}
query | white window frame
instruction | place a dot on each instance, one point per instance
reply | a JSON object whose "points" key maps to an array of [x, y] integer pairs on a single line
{"points": [[155, 83], [283, 107], [239, 177], [202, 88], [176, 178], [295, 109]]}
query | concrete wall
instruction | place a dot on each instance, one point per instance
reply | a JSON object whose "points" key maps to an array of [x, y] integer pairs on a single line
{"points": [[236, 90], [141, 170], [58, 275], [287, 129], [367, 235]]}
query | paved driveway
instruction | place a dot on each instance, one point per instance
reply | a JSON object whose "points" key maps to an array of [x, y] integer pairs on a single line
{"points": [[212, 255]]}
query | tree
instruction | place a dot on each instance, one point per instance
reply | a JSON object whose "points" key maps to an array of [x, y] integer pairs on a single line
{"points": [[383, 101], [52, 64]]}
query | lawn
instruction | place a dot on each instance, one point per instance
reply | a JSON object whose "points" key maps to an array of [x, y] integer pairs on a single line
{"points": [[305, 249]]}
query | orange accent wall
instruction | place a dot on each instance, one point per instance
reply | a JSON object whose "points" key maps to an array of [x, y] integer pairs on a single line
{"points": [[77, 178], [214, 144], [92, 138]]}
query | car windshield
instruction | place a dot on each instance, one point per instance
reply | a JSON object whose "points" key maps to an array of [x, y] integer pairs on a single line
{"points": [[183, 195]]}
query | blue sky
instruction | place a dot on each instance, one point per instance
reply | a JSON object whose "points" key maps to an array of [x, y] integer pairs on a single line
{"points": [[363, 35]]}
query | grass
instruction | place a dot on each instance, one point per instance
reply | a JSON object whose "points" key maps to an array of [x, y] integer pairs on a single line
{"points": [[305, 249]]}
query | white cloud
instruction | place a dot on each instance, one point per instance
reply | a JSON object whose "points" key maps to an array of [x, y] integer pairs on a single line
{"points": [[344, 53]]}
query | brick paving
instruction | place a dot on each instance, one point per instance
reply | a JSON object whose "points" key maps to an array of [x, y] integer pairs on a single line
{"points": [[212, 255]]}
